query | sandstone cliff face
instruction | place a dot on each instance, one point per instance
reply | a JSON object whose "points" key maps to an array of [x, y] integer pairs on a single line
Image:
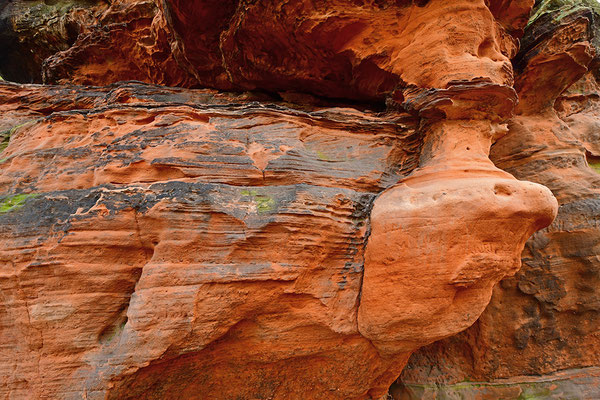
{"points": [[539, 335], [341, 49], [166, 243], [295, 241], [173, 237]]}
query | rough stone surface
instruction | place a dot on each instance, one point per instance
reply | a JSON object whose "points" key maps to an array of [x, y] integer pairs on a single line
{"points": [[151, 233], [455, 183], [325, 209], [161, 237], [339, 49], [541, 324]]}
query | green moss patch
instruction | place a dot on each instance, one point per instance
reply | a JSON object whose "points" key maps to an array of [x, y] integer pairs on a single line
{"points": [[533, 392], [13, 203], [322, 156], [6, 135], [593, 161], [113, 331], [4, 139], [264, 203], [595, 167], [516, 390]]}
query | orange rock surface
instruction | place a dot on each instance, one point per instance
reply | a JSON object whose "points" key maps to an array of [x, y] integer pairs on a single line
{"points": [[539, 335], [312, 203], [339, 49], [455, 183]]}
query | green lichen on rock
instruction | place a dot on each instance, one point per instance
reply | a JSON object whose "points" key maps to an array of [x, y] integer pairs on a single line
{"points": [[593, 162], [14, 202], [595, 166], [563, 389], [535, 392], [7, 134], [561, 9], [5, 137], [322, 156], [264, 203], [4, 140], [113, 331]]}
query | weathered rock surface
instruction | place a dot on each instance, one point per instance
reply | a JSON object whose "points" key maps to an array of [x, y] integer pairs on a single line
{"points": [[539, 335], [177, 243], [160, 239], [154, 235], [88, 42], [341, 49], [448, 283]]}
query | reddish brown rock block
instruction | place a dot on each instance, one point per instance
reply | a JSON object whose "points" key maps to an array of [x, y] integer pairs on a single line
{"points": [[431, 255], [128, 41], [180, 255], [166, 243], [545, 318], [32, 31], [337, 49], [207, 251]]}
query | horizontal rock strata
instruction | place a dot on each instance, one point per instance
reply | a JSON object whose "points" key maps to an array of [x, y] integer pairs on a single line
{"points": [[296, 231], [191, 234]]}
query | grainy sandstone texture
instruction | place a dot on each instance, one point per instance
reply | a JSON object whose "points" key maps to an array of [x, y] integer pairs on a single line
{"points": [[285, 200], [539, 336]]}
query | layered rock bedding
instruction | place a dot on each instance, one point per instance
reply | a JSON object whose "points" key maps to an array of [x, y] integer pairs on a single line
{"points": [[298, 199]]}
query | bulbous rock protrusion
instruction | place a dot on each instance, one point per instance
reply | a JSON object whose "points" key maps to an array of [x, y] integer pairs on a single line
{"points": [[443, 237]]}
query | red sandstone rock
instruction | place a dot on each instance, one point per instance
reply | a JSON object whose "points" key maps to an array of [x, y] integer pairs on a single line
{"points": [[167, 243], [221, 243], [32, 31], [338, 49], [129, 40], [459, 259], [158, 262], [252, 219], [545, 319]]}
